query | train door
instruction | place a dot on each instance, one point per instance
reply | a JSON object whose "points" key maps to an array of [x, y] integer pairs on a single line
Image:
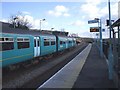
{"points": [[36, 46], [66, 43], [72, 41]]}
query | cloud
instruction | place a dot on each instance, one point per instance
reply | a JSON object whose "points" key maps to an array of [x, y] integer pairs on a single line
{"points": [[97, 2], [36, 24], [4, 20], [61, 8], [29, 18], [78, 23], [57, 14], [85, 34], [66, 14], [59, 11], [94, 9], [114, 9], [25, 12]]}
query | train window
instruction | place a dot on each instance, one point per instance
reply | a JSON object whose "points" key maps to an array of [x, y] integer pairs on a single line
{"points": [[74, 41], [23, 39], [23, 43], [52, 42], [8, 39], [6, 43], [38, 43], [1, 39], [52, 39], [46, 43], [7, 46], [34, 42], [61, 42], [70, 42], [46, 39], [26, 39], [20, 39], [64, 42]]}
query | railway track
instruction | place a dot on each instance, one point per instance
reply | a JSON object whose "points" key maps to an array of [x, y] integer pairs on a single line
{"points": [[35, 75]]}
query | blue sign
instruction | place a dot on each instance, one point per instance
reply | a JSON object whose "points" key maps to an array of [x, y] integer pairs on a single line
{"points": [[92, 21]]}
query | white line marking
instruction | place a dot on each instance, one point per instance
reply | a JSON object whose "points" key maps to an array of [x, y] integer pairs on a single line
{"points": [[68, 70]]}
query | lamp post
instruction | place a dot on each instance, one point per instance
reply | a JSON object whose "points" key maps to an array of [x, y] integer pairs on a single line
{"points": [[40, 23], [52, 29], [100, 31], [97, 37], [110, 55]]}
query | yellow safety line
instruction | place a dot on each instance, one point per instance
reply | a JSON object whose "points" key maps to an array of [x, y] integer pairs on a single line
{"points": [[14, 57]]}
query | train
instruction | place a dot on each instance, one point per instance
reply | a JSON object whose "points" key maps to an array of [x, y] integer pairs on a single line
{"points": [[18, 45]]}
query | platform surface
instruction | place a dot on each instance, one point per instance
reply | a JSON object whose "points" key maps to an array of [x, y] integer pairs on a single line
{"points": [[95, 72], [66, 77], [86, 70]]}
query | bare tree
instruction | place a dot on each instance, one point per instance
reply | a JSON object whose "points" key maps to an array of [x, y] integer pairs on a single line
{"points": [[19, 21]]}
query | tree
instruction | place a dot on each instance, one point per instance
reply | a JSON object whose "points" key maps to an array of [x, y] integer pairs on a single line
{"points": [[19, 21]]}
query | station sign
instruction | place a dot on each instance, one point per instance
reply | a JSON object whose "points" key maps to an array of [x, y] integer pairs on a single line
{"points": [[94, 29], [92, 21]]}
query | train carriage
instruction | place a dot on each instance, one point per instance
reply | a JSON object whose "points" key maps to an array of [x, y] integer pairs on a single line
{"points": [[62, 43], [19, 45], [70, 42], [15, 48], [74, 41], [48, 44]]}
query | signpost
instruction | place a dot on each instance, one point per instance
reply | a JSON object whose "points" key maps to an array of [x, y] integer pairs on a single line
{"points": [[96, 29]]}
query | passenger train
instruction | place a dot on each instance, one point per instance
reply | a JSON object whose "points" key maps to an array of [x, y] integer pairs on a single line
{"points": [[20, 45]]}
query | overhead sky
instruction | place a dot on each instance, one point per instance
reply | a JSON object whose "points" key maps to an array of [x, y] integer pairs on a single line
{"points": [[70, 16]]}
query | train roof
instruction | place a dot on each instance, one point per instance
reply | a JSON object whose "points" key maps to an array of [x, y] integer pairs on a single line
{"points": [[64, 36], [7, 29]]}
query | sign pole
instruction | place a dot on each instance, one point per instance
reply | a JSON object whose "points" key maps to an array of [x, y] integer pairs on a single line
{"points": [[101, 46], [110, 56], [97, 20]]}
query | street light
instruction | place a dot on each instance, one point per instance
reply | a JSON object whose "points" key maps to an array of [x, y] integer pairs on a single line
{"points": [[40, 22], [52, 29]]}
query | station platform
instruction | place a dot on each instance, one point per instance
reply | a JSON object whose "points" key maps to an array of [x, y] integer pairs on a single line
{"points": [[86, 70]]}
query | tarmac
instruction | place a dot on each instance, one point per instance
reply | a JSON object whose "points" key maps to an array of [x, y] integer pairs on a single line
{"points": [[86, 70], [95, 72]]}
